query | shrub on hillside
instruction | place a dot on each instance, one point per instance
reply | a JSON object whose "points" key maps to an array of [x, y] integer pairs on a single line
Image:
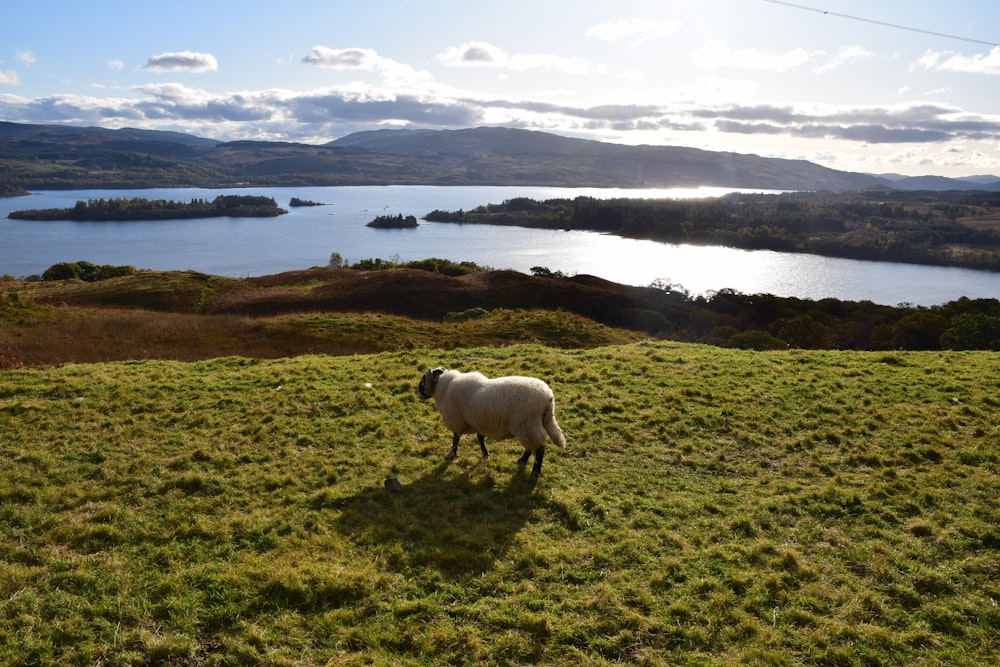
{"points": [[972, 331], [649, 321], [755, 339], [546, 272], [373, 264], [464, 315], [86, 271], [445, 267]]}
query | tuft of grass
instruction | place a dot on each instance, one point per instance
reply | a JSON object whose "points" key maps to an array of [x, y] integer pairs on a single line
{"points": [[714, 506]]}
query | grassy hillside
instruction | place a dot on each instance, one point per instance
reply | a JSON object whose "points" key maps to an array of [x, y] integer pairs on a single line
{"points": [[187, 316], [715, 506]]}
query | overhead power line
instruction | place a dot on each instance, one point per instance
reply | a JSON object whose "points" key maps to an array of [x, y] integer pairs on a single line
{"points": [[883, 23]]}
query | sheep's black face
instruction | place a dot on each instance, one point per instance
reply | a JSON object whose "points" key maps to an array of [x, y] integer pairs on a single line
{"points": [[426, 387], [422, 387]]}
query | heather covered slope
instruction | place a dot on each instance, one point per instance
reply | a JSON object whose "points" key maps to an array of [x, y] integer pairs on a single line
{"points": [[187, 315]]}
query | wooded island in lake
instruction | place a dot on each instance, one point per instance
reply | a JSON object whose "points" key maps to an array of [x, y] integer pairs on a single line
{"points": [[140, 208], [393, 222]]}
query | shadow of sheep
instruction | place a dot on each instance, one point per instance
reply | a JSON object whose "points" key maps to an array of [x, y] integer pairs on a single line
{"points": [[452, 523]]}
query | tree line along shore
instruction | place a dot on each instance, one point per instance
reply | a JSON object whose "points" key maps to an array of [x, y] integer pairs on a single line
{"points": [[954, 228]]}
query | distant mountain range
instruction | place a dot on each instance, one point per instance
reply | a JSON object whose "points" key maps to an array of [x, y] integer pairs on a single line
{"points": [[57, 156], [984, 182]]}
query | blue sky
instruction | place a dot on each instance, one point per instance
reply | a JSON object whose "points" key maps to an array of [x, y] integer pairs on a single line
{"points": [[904, 86]]}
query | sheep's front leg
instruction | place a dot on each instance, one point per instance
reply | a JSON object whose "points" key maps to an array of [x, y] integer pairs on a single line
{"points": [[482, 444], [454, 447]]}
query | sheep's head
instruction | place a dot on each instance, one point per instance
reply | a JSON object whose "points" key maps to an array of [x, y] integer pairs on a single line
{"points": [[427, 383]]}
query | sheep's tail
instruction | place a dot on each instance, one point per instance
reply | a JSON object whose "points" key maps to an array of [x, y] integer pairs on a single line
{"points": [[551, 427]]}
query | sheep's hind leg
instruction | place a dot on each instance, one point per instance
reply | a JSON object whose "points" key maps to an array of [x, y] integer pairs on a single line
{"points": [[524, 458], [482, 444], [454, 447], [536, 469]]}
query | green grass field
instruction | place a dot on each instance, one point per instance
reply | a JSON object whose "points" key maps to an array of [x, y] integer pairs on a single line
{"points": [[714, 506]]}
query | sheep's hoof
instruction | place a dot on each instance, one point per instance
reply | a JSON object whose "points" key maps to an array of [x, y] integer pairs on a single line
{"points": [[450, 455]]}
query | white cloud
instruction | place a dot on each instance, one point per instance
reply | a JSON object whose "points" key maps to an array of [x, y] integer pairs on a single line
{"points": [[366, 60], [352, 58], [483, 54], [115, 64], [717, 54], [919, 123], [524, 61], [175, 93], [707, 91], [948, 61], [643, 28], [846, 56], [26, 58], [692, 116], [78, 109], [474, 54], [8, 78], [182, 61]]}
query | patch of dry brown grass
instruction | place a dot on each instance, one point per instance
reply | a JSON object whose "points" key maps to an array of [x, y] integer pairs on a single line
{"points": [[90, 335], [36, 335]]}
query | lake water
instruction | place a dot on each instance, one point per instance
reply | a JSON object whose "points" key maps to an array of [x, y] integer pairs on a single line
{"points": [[242, 247]]}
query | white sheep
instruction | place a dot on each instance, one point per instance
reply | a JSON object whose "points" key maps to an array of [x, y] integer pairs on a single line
{"points": [[504, 407]]}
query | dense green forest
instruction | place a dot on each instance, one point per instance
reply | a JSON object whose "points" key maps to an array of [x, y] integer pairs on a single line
{"points": [[950, 228], [139, 208], [763, 321]]}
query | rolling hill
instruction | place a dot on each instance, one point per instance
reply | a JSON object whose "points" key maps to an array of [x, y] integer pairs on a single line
{"points": [[50, 156]]}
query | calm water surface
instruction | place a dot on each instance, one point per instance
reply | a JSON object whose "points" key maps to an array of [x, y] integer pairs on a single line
{"points": [[307, 236]]}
